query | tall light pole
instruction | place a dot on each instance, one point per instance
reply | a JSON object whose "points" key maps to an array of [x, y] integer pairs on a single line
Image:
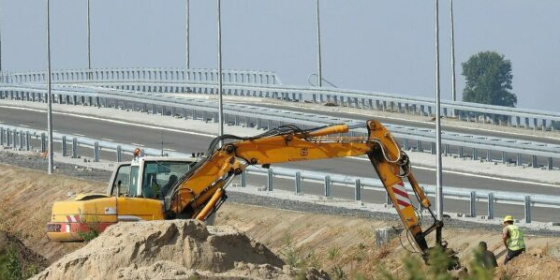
{"points": [[319, 75], [187, 55], [0, 39], [453, 85], [439, 193], [220, 101], [88, 40], [49, 96]]}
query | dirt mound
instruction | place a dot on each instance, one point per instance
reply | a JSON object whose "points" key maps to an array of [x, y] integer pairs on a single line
{"points": [[535, 264], [17, 259], [170, 250]]}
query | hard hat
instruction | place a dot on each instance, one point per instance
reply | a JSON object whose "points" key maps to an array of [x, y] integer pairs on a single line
{"points": [[508, 218]]}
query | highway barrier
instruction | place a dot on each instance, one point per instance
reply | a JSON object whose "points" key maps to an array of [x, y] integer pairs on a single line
{"points": [[20, 139]]}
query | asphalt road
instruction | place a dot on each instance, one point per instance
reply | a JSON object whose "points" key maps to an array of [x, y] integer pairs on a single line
{"points": [[421, 124], [186, 142]]}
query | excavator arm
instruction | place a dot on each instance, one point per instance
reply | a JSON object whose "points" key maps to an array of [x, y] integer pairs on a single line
{"points": [[201, 191]]}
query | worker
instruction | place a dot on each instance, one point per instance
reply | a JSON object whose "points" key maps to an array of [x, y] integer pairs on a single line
{"points": [[513, 239], [487, 258]]}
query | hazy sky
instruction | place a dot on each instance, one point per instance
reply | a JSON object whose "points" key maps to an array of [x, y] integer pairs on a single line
{"points": [[374, 45]]}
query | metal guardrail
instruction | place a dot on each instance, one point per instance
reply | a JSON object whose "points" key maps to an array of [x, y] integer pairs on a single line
{"points": [[166, 75], [265, 84], [239, 114], [20, 138]]}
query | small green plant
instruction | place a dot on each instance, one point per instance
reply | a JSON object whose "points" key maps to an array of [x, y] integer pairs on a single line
{"points": [[93, 231], [31, 270], [337, 273], [11, 270], [333, 253], [290, 251], [89, 235]]}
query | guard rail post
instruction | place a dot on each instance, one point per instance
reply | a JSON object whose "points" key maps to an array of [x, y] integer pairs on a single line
{"points": [[74, 147], [297, 183], [388, 200], [491, 206], [473, 204], [550, 164], [21, 139], [474, 154], [8, 136], [461, 153], [519, 161], [405, 144], [1, 136], [14, 140], [504, 158], [96, 151], [64, 150], [527, 209], [244, 179], [119, 153], [43, 143], [358, 190], [27, 141], [534, 161], [269, 180], [327, 186]]}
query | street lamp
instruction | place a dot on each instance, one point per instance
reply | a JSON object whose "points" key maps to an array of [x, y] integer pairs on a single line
{"points": [[49, 96], [439, 193], [319, 75], [220, 101]]}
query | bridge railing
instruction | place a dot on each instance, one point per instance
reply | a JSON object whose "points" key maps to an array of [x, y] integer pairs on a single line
{"points": [[21, 139], [268, 85], [143, 75], [464, 145]]}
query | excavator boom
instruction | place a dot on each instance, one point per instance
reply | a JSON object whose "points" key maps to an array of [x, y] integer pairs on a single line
{"points": [[202, 190]]}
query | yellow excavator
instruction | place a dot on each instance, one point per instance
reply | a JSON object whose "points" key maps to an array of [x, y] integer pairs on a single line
{"points": [[150, 188]]}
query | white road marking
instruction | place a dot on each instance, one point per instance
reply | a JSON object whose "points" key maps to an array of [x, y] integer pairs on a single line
{"points": [[115, 121]]}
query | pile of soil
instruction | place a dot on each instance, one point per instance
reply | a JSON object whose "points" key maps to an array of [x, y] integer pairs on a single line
{"points": [[170, 250], [13, 251], [535, 264]]}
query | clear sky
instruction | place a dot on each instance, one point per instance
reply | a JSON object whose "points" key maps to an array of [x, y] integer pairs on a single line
{"points": [[376, 45]]}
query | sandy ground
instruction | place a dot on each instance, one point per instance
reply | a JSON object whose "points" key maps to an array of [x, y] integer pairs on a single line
{"points": [[329, 242]]}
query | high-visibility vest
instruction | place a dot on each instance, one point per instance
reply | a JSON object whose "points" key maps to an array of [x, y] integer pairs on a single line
{"points": [[515, 241]]}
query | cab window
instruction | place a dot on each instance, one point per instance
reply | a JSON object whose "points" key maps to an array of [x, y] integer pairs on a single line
{"points": [[160, 176]]}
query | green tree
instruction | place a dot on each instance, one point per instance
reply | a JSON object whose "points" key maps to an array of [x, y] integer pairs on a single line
{"points": [[489, 79]]}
